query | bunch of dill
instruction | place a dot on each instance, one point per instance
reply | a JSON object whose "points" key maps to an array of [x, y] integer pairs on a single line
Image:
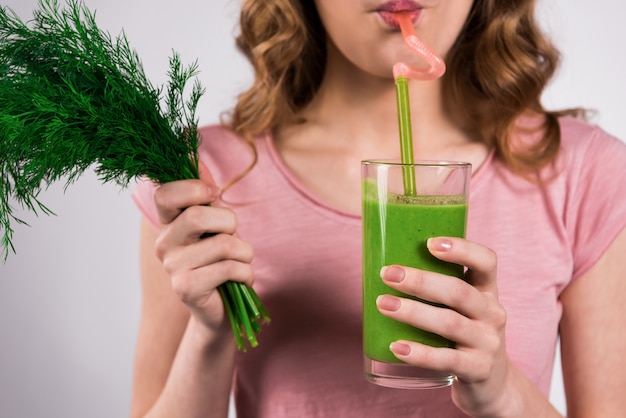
{"points": [[73, 97]]}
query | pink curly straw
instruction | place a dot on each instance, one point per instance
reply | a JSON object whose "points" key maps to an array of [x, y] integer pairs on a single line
{"points": [[436, 67], [401, 73]]}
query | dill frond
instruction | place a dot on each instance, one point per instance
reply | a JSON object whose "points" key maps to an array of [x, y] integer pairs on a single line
{"points": [[72, 97]]}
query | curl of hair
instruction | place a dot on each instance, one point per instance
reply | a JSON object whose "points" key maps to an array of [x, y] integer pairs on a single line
{"points": [[286, 45], [496, 72], [285, 42]]}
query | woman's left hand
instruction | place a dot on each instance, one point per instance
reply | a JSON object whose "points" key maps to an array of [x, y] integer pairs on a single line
{"points": [[475, 321]]}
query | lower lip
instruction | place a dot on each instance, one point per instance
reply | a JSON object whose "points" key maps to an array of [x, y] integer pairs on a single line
{"points": [[390, 18]]}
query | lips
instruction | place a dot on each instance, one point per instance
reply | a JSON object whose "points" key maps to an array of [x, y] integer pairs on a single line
{"points": [[388, 11], [396, 6]]}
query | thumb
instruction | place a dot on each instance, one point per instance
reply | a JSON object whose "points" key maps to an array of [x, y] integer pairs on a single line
{"points": [[481, 261]]}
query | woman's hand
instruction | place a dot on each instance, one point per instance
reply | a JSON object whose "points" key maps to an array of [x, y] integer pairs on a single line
{"points": [[475, 321], [198, 247]]}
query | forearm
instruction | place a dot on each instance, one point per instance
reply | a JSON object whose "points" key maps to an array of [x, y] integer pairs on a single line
{"points": [[200, 379]]}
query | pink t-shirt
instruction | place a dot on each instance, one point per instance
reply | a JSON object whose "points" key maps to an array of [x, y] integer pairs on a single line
{"points": [[307, 270]]}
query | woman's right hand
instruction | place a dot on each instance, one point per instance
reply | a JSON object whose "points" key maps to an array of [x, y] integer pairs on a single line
{"points": [[198, 247]]}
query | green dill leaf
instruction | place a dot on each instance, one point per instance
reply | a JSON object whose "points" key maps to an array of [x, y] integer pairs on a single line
{"points": [[72, 96]]}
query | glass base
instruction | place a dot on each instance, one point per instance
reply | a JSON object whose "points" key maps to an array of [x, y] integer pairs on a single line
{"points": [[404, 376]]}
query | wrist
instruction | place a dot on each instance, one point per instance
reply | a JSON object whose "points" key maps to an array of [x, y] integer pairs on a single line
{"points": [[519, 398], [211, 341], [492, 398]]}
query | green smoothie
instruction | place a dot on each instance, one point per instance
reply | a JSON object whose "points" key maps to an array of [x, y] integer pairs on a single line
{"points": [[395, 230]]}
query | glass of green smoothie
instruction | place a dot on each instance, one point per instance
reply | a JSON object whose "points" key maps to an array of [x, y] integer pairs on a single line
{"points": [[403, 206]]}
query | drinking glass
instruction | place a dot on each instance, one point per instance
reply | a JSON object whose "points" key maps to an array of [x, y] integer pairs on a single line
{"points": [[403, 206]]}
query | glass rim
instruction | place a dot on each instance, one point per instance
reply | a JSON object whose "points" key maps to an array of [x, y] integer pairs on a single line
{"points": [[417, 163]]}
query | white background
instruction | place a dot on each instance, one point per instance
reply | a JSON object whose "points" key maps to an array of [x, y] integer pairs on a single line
{"points": [[69, 298]]}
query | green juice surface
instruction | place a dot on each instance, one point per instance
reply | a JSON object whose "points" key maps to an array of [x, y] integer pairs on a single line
{"points": [[401, 239]]}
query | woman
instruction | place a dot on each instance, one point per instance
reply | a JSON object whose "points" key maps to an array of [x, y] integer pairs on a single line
{"points": [[543, 250]]}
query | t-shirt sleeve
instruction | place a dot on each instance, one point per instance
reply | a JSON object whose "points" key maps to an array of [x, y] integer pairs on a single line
{"points": [[143, 196], [597, 211]]}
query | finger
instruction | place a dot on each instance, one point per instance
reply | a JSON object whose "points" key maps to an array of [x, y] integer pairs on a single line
{"points": [[465, 365], [195, 286], [436, 288], [416, 354], [221, 248], [172, 198], [195, 223], [439, 320], [209, 251], [480, 260]]}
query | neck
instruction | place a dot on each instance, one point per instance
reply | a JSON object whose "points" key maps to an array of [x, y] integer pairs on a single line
{"points": [[356, 111], [363, 110]]}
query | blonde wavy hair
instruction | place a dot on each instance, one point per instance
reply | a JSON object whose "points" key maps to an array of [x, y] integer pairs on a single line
{"points": [[496, 72]]}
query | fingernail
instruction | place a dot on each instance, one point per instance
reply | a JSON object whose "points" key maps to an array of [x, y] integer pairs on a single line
{"points": [[439, 244], [394, 274], [400, 349], [388, 303]]}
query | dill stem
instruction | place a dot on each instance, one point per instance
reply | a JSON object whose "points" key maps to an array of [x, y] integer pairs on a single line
{"points": [[231, 317], [242, 313]]}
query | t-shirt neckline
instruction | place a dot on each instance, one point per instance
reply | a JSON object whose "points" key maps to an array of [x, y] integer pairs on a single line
{"points": [[295, 183]]}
